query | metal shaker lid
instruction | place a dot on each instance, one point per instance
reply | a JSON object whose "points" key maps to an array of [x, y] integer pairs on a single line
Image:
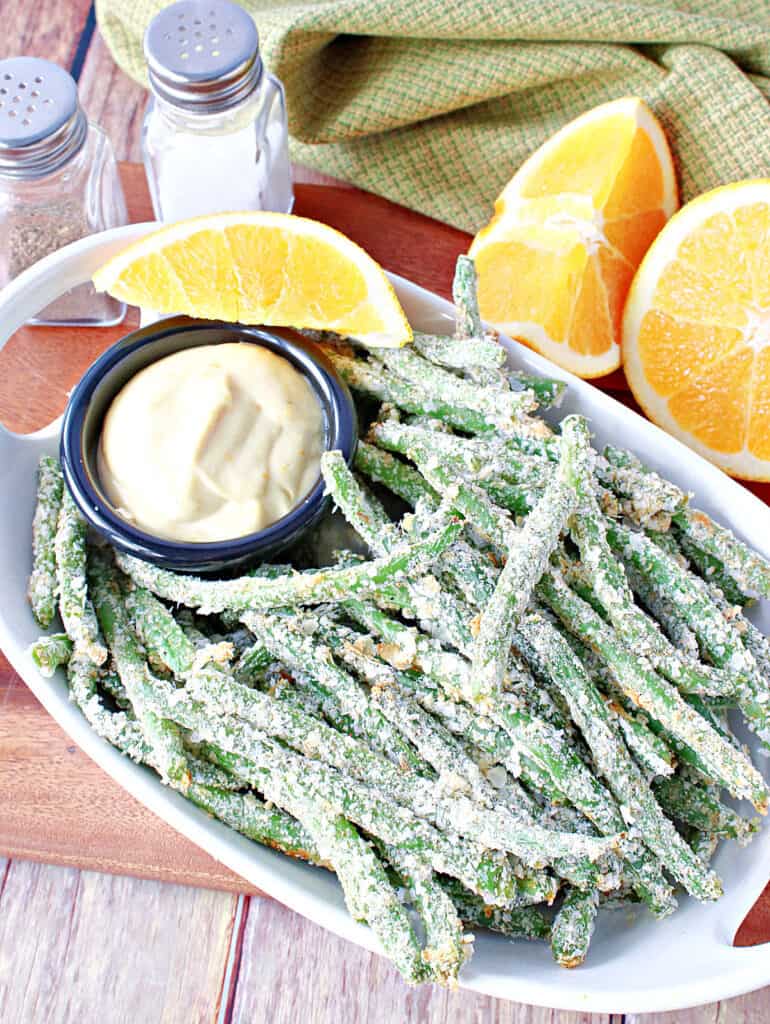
{"points": [[42, 125], [203, 55]]}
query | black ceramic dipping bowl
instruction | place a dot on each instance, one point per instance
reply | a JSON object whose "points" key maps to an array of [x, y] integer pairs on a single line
{"points": [[88, 405]]}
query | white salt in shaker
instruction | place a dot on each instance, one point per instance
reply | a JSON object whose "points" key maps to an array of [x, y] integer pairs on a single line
{"points": [[58, 182], [215, 136]]}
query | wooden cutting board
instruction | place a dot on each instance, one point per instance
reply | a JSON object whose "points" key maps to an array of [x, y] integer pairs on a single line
{"points": [[56, 805]]}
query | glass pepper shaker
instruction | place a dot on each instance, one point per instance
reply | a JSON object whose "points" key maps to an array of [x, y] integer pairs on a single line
{"points": [[58, 182], [215, 135]]}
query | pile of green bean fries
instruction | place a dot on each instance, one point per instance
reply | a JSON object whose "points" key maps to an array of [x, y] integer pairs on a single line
{"points": [[511, 713]]}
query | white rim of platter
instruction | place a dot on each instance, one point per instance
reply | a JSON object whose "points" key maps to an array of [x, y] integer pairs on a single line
{"points": [[635, 964]]}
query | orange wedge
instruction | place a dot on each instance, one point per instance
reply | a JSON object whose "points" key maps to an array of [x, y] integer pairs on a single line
{"points": [[696, 331], [260, 268], [569, 230]]}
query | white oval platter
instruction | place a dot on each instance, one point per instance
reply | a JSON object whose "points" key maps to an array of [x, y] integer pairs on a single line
{"points": [[636, 964]]}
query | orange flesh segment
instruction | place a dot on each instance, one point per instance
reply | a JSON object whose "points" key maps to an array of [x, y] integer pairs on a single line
{"points": [[205, 264], [519, 282], [632, 236], [324, 271], [587, 163], [591, 328], [638, 185], [262, 268], [704, 343], [616, 275], [713, 406], [667, 346], [607, 183], [143, 282], [258, 258], [759, 418]]}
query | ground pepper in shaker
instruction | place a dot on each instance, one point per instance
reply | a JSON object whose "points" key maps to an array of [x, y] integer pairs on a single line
{"points": [[215, 136], [58, 182]]}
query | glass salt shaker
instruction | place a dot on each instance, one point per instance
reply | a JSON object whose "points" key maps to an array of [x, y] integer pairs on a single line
{"points": [[58, 182], [215, 136]]}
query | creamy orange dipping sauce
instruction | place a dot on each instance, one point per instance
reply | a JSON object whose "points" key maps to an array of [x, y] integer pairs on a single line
{"points": [[211, 443]]}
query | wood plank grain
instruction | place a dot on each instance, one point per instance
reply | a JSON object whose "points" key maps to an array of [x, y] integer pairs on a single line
{"points": [[112, 99], [751, 1009], [50, 362], [45, 28], [291, 970], [109, 949]]}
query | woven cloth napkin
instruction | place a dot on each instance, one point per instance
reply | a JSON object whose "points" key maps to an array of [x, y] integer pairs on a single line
{"points": [[435, 103]]}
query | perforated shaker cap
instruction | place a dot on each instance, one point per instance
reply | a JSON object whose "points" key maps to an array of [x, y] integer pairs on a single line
{"points": [[42, 124], [203, 56]]}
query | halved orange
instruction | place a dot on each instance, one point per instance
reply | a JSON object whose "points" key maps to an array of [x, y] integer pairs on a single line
{"points": [[569, 229], [260, 268], [696, 331]]}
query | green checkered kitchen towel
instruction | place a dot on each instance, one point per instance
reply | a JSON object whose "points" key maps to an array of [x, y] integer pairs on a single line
{"points": [[435, 103]]}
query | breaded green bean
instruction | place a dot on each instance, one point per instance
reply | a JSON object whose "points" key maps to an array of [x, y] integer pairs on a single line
{"points": [[43, 588], [361, 509], [398, 476], [162, 736], [446, 945], [484, 871], [552, 658], [516, 923], [465, 297], [49, 652], [300, 652], [528, 552], [652, 693], [378, 382], [251, 593], [716, 635], [77, 613], [368, 892], [499, 408], [697, 806], [457, 353], [252, 817], [573, 927], [158, 630]]}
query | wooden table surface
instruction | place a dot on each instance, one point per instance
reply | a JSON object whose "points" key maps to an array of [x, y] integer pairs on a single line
{"points": [[80, 945]]}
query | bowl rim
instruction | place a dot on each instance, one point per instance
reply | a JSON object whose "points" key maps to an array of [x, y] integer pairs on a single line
{"points": [[82, 478]]}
